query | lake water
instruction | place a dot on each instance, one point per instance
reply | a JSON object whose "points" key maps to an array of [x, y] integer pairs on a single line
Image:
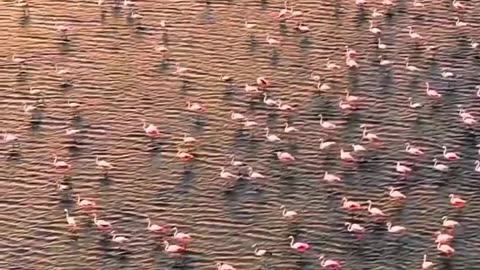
{"points": [[120, 79]]}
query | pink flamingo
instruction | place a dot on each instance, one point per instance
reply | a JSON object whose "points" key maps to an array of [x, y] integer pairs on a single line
{"points": [[449, 155], [154, 228], [72, 225], [283, 106], [331, 177], [237, 116], [448, 223], [456, 201], [224, 266], [350, 205], [271, 41], [262, 82], [354, 227], [395, 194], [324, 144], [326, 124], [285, 156], [151, 130], [368, 135], [196, 107], [173, 248], [101, 224], [426, 264], [350, 98], [395, 229], [188, 139], [185, 156], [431, 92], [413, 150], [302, 27], [443, 238], [182, 237], [402, 168], [445, 249], [288, 214], [373, 210], [345, 106], [299, 246], [60, 165], [347, 156], [330, 264], [83, 203]]}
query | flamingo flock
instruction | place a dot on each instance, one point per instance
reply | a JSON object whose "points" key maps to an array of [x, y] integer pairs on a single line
{"points": [[360, 217]]}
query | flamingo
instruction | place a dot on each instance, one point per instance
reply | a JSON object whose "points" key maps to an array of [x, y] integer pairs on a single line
{"points": [[384, 62], [271, 137], [154, 228], [227, 175], [347, 156], [464, 114], [354, 227], [369, 136], [474, 44], [417, 4], [345, 106], [295, 13], [236, 163], [73, 105], [185, 156], [446, 249], [402, 168], [101, 224], [284, 107], [395, 194], [285, 156], [439, 167], [70, 221], [71, 131], [380, 45], [237, 116], [374, 30], [28, 108], [376, 14], [299, 246], [260, 252], [224, 266], [350, 98], [262, 82], [448, 223], [350, 205], [288, 214], [325, 124], [60, 165], [349, 52], [150, 130], [477, 167], [414, 105], [456, 4], [413, 150], [302, 27], [182, 237], [249, 25], [447, 74], [251, 88], [458, 23], [196, 107], [443, 238], [324, 144], [249, 123], [83, 203], [119, 239], [456, 201], [373, 210], [395, 229], [104, 165], [331, 177], [271, 41], [173, 248], [323, 86], [328, 263], [449, 155], [431, 92], [426, 264], [410, 67], [254, 175], [331, 65], [289, 129], [269, 101], [412, 34], [358, 148], [188, 139], [283, 11], [350, 62]]}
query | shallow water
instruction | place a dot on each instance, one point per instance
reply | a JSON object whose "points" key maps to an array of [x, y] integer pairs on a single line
{"points": [[119, 79]]}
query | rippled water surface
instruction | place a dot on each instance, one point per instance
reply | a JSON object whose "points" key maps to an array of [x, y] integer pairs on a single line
{"points": [[119, 80]]}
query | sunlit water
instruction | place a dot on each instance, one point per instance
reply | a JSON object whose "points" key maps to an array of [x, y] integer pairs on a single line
{"points": [[119, 79]]}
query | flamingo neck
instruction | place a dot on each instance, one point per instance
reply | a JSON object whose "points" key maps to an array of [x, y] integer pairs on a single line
{"points": [[424, 258], [166, 245], [323, 262], [365, 132], [349, 227], [55, 159], [268, 131], [369, 206], [291, 242], [284, 212], [321, 119], [444, 150], [175, 231], [66, 214], [95, 219]]}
